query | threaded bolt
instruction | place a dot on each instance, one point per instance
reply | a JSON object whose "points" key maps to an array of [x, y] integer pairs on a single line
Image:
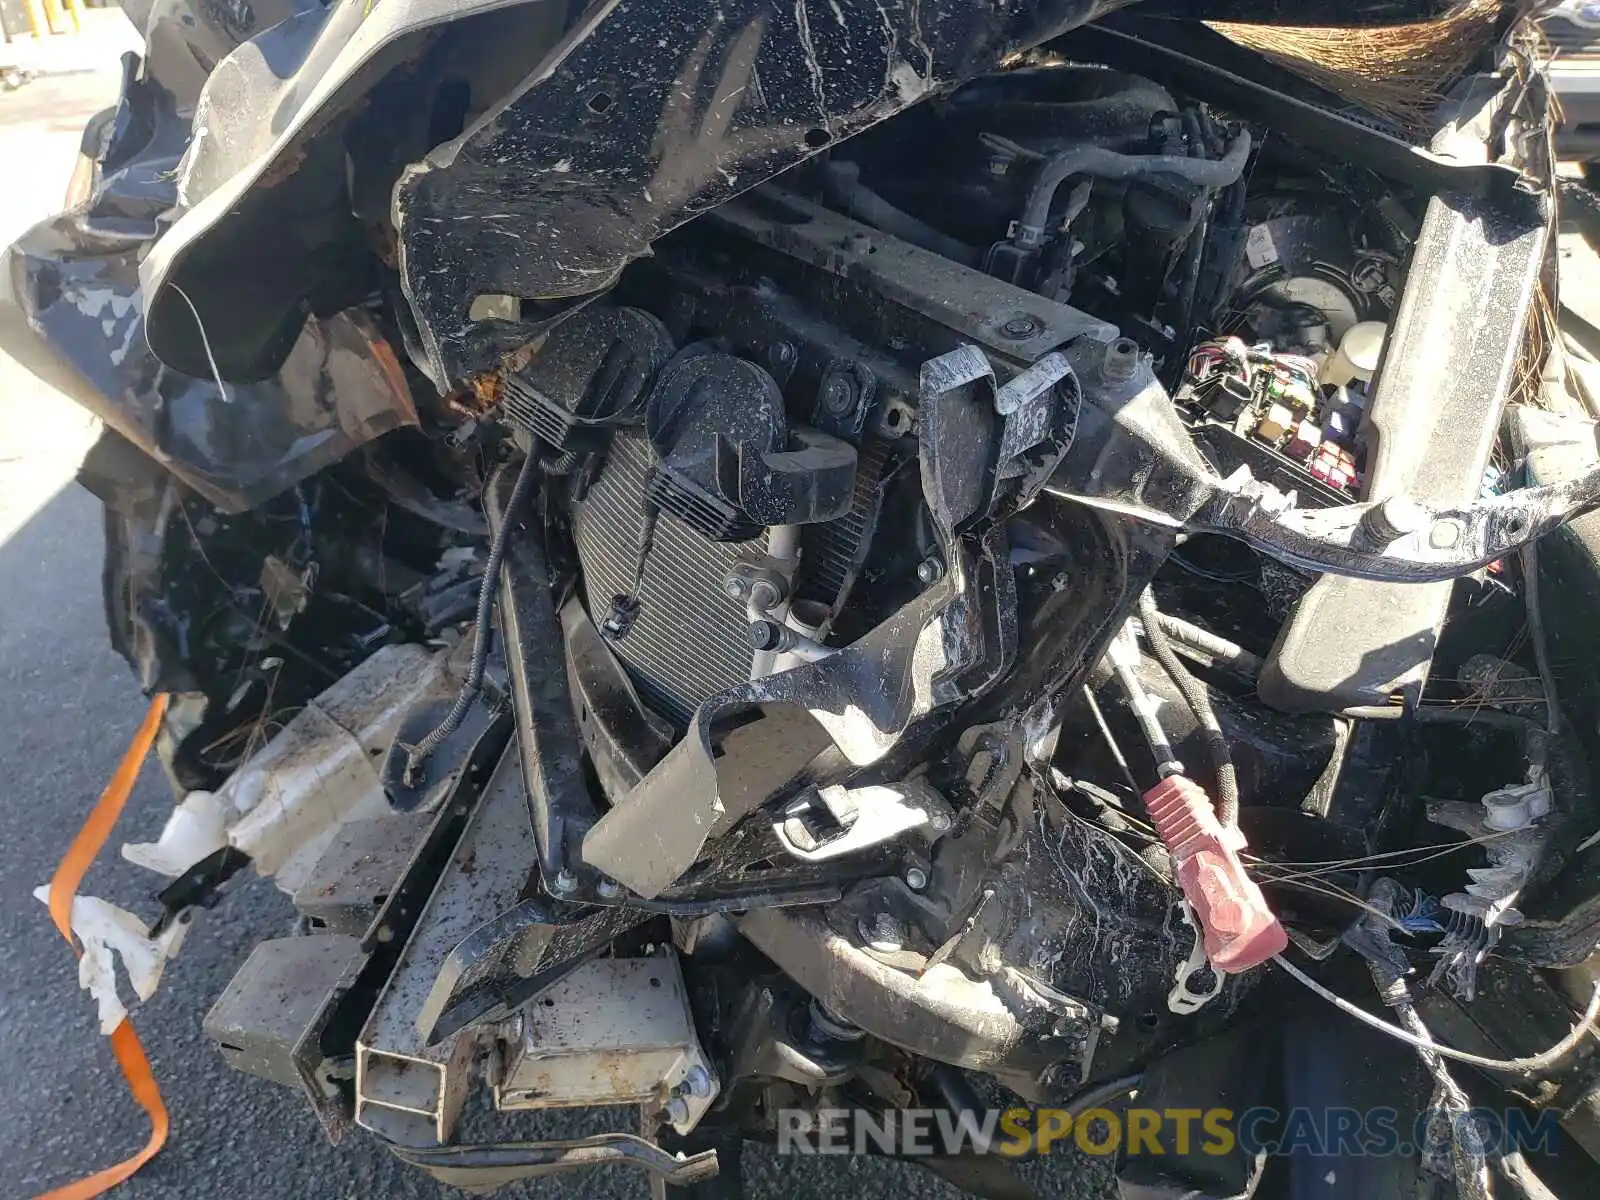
{"points": [[1394, 517], [765, 635]]}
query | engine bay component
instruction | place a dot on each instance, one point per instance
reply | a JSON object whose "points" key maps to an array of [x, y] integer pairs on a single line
{"points": [[1431, 440], [888, 557], [592, 372], [614, 1031], [1240, 931], [728, 464]]}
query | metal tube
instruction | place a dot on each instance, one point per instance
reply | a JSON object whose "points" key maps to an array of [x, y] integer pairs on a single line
{"points": [[783, 547]]}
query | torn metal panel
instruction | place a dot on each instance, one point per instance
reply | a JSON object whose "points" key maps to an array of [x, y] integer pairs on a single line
{"points": [[727, 98], [182, 38], [259, 117], [69, 288]]}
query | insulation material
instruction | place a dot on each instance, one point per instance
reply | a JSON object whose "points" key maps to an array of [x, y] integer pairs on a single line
{"points": [[1398, 71]]}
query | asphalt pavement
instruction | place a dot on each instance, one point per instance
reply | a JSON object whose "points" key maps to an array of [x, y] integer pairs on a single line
{"points": [[68, 706]]}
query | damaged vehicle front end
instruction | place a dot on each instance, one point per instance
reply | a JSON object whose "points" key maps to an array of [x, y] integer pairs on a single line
{"points": [[741, 560]]}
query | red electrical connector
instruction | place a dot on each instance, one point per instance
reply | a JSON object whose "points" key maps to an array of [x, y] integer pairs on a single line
{"points": [[1239, 930]]}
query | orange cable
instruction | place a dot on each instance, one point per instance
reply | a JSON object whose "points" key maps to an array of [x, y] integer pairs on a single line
{"points": [[125, 1045]]}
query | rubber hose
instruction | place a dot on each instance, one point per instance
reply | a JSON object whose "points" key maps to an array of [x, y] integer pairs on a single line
{"points": [[842, 182], [1108, 164], [1199, 702], [1227, 653], [417, 755]]}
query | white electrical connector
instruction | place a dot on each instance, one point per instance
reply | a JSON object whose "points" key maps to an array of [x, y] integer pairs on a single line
{"points": [[1517, 806]]}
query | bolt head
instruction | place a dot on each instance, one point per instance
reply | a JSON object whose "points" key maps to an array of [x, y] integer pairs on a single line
{"points": [[839, 395], [697, 1080], [764, 635], [1021, 327], [676, 1110], [610, 889], [1444, 534], [916, 879], [929, 570], [565, 881], [939, 822], [733, 588]]}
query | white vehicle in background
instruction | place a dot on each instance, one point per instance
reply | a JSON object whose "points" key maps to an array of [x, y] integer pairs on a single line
{"points": [[1572, 29]]}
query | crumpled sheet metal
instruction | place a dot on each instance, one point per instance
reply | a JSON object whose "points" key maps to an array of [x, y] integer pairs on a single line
{"points": [[104, 930], [604, 150], [596, 152], [259, 109]]}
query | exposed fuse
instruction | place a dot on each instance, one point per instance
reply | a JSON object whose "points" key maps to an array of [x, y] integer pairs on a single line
{"points": [[1334, 465], [1307, 437]]}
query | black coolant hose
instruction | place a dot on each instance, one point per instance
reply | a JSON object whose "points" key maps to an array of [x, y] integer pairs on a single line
{"points": [[842, 183], [1108, 164], [417, 755], [1194, 695], [1220, 651]]}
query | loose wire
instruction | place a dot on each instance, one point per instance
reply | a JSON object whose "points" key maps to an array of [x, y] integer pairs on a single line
{"points": [[417, 755], [1514, 1066]]}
